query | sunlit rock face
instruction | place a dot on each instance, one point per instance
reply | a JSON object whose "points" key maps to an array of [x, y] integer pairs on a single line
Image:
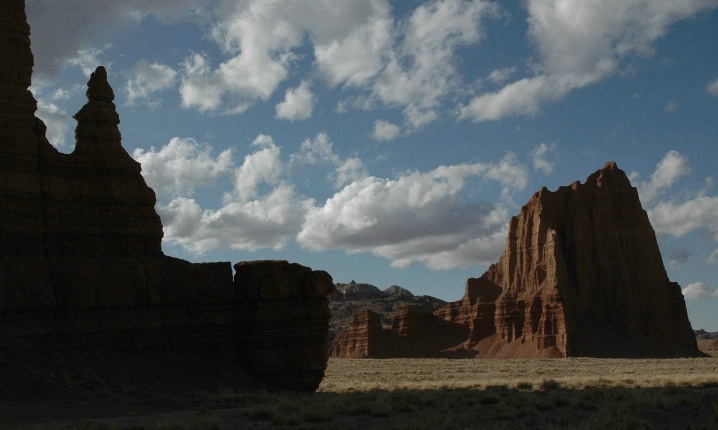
{"points": [[581, 275], [81, 261]]}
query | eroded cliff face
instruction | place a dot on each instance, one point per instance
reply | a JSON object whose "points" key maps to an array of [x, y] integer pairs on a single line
{"points": [[80, 249], [581, 275]]}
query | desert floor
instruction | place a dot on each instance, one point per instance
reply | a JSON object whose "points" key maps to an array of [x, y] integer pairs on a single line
{"points": [[574, 393]]}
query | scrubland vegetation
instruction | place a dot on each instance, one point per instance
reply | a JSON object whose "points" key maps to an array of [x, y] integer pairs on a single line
{"points": [[575, 393]]}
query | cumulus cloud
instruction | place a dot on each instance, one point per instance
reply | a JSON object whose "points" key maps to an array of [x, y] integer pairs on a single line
{"points": [[57, 42], [200, 88], [543, 157], [405, 63], [699, 290], [261, 167], [680, 218], [522, 97], [257, 38], [712, 257], [712, 88], [263, 211], [354, 50], [298, 103], [681, 215], [385, 130], [320, 151], [146, 80], [58, 122], [269, 222], [673, 166], [182, 165], [580, 43], [499, 76], [417, 217]]}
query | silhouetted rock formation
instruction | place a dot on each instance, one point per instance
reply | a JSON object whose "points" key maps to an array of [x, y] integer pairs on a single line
{"points": [[80, 249], [581, 275]]}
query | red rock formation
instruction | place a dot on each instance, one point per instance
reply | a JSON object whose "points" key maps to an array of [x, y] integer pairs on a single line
{"points": [[80, 249], [581, 275], [364, 338]]}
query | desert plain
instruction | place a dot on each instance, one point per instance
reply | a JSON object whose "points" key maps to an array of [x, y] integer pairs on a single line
{"points": [[571, 393]]}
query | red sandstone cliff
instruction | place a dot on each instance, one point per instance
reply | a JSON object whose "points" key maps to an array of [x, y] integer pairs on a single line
{"points": [[80, 249], [581, 275]]}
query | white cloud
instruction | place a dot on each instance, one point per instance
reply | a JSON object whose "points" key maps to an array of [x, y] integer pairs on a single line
{"points": [[58, 122], [699, 290], [410, 64], [182, 165], [673, 166], [512, 175], [712, 257], [499, 76], [385, 130], [298, 103], [432, 34], [264, 211], [523, 97], [147, 79], [200, 88], [679, 219], [262, 166], [712, 88], [418, 217], [350, 170], [543, 157], [258, 38], [88, 59], [580, 43], [269, 222], [356, 53], [320, 151], [58, 42], [316, 151]]}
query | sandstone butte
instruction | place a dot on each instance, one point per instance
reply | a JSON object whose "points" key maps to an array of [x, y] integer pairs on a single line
{"points": [[81, 262], [581, 275]]}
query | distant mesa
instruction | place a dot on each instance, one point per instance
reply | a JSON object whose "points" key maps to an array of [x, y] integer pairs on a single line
{"points": [[81, 263], [581, 275]]}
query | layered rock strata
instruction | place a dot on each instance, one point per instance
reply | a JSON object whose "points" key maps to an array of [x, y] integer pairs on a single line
{"points": [[81, 262], [581, 275]]}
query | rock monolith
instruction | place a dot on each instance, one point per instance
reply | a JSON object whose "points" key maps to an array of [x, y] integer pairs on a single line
{"points": [[581, 275]]}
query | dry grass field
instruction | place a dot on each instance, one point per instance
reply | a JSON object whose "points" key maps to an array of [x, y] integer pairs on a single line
{"points": [[575, 393]]}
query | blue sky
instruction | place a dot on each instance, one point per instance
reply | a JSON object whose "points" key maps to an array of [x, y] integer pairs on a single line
{"points": [[390, 142]]}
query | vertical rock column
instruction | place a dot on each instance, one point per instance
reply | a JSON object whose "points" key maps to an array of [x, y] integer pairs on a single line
{"points": [[24, 273], [285, 319]]}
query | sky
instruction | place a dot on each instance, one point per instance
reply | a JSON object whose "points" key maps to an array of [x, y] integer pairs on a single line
{"points": [[389, 142]]}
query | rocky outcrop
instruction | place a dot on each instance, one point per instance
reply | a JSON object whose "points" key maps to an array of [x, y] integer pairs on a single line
{"points": [[581, 275], [285, 314], [356, 291], [352, 298], [415, 332], [81, 262], [364, 338]]}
